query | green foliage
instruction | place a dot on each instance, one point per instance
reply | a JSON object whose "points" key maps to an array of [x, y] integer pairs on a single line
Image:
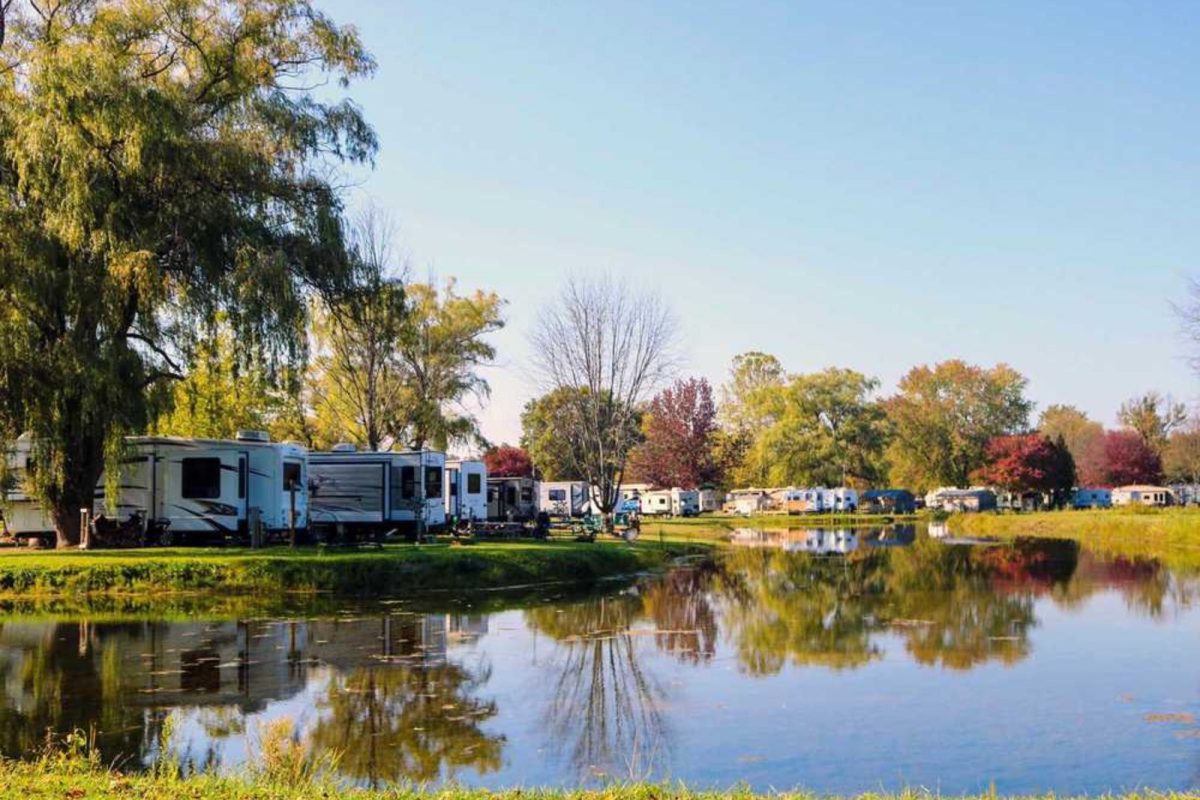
{"points": [[1181, 456], [1078, 432], [553, 443], [944, 416], [157, 167], [818, 429], [1153, 417]]}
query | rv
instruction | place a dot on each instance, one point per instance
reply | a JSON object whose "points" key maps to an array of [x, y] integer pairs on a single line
{"points": [[671, 502], [563, 498], [805, 501], [512, 499], [187, 489], [466, 490], [1142, 496], [370, 492], [1092, 498], [747, 502], [710, 500]]}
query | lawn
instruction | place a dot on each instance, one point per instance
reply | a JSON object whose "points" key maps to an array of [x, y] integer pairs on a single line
{"points": [[391, 570]]}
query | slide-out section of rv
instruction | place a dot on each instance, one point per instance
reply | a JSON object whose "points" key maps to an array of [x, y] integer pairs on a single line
{"points": [[190, 490], [375, 492], [466, 490], [512, 499], [563, 498]]}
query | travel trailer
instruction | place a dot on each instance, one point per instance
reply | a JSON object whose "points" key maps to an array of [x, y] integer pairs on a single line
{"points": [[671, 502], [466, 490], [512, 499], [187, 489], [805, 501], [374, 492], [1092, 498], [1142, 496], [563, 498], [710, 500], [747, 502]]}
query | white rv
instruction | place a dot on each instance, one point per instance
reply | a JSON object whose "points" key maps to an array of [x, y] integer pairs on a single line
{"points": [[710, 500], [512, 499], [185, 489], [466, 490], [563, 498], [363, 491], [671, 502]]}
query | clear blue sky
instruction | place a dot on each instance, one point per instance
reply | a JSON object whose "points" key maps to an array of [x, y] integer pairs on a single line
{"points": [[870, 185]]}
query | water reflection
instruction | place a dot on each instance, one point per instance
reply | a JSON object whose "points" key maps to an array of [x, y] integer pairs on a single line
{"points": [[399, 694]]}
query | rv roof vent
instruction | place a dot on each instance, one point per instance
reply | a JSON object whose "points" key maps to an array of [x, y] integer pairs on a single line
{"points": [[344, 447], [253, 436]]}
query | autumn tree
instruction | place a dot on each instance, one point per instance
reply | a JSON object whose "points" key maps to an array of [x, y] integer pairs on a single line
{"points": [[740, 417], [819, 429], [1153, 417], [551, 439], [507, 461], [442, 348], [1181, 458], [944, 416], [160, 162], [356, 379], [1028, 462], [614, 347], [1075, 427], [1120, 458], [678, 428]]}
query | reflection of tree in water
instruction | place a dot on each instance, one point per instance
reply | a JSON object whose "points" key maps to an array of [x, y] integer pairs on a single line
{"points": [[943, 601], [415, 718], [684, 619], [605, 708], [66, 683]]}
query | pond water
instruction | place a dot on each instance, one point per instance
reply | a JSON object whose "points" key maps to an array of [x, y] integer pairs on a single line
{"points": [[838, 661]]}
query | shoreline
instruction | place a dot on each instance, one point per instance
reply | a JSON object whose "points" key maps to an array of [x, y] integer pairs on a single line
{"points": [[309, 572]]}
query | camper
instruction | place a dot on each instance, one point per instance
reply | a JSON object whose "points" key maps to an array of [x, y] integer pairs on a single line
{"points": [[888, 501], [806, 501], [1142, 496], [185, 490], [710, 500], [962, 500], [671, 503], [1092, 498], [466, 490], [563, 498], [374, 492], [747, 502], [512, 499]]}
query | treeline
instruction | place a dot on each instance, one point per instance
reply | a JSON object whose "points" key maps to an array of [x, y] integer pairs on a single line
{"points": [[950, 424]]}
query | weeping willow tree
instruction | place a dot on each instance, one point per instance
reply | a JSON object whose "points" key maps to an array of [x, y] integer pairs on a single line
{"points": [[161, 161]]}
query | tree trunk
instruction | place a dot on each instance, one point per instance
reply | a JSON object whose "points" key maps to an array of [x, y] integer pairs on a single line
{"points": [[66, 525]]}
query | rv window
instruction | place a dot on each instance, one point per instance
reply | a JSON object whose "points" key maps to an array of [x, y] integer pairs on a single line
{"points": [[433, 482], [558, 496], [201, 478], [526, 495], [510, 495], [474, 483], [291, 476], [243, 477], [453, 481], [408, 482]]}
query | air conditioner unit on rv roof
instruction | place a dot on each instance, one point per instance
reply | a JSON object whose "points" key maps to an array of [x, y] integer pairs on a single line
{"points": [[253, 436]]}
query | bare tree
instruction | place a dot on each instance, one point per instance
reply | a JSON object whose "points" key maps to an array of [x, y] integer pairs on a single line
{"points": [[1189, 313], [613, 347]]}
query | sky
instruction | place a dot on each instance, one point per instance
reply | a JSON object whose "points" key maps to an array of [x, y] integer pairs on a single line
{"points": [[863, 185]]}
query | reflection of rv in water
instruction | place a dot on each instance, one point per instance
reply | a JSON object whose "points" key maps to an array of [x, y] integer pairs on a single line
{"points": [[375, 492], [816, 541], [466, 490], [186, 489]]}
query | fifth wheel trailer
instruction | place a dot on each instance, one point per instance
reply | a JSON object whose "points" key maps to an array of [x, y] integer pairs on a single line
{"points": [[370, 492], [187, 489]]}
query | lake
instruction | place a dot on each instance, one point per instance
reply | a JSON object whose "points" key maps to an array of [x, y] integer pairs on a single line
{"points": [[837, 661]]}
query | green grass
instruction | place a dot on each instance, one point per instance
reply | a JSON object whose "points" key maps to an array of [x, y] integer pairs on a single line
{"points": [[1169, 534], [393, 570], [75, 777]]}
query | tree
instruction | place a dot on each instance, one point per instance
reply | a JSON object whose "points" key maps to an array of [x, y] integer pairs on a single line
{"points": [[219, 396], [551, 447], [750, 373], [1074, 426], [1120, 458], [159, 162], [1181, 458], [678, 430], [441, 348], [944, 416], [613, 346], [507, 461], [1153, 417], [1028, 462], [818, 429], [356, 379]]}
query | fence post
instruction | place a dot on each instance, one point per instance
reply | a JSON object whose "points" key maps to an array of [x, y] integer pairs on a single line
{"points": [[85, 528]]}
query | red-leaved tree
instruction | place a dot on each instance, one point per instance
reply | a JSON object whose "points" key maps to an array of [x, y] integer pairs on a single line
{"points": [[1119, 458], [1027, 463], [679, 427], [507, 461]]}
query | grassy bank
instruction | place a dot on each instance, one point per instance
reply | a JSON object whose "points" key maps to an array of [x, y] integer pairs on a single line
{"points": [[394, 569], [711, 526], [1170, 534], [77, 778]]}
